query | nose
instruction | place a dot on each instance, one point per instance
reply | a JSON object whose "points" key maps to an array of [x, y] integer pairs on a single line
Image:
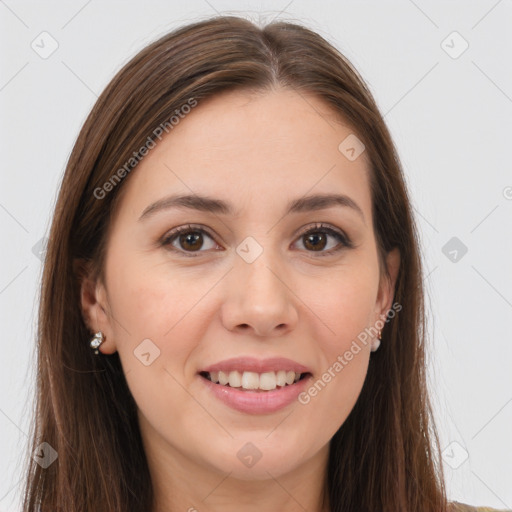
{"points": [[258, 298]]}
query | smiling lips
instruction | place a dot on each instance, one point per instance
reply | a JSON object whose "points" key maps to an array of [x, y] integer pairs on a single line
{"points": [[252, 373], [256, 386], [251, 380]]}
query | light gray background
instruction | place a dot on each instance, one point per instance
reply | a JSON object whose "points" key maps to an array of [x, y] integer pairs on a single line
{"points": [[451, 119]]}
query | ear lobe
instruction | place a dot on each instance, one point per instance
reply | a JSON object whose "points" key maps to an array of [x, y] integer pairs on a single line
{"points": [[388, 281], [86, 294], [89, 304], [92, 300]]}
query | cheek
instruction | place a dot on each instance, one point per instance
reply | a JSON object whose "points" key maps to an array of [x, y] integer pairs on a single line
{"points": [[154, 337], [149, 299], [346, 306], [151, 313]]}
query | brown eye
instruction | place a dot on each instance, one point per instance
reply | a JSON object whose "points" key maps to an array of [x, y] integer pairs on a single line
{"points": [[188, 240], [192, 240], [315, 241]]}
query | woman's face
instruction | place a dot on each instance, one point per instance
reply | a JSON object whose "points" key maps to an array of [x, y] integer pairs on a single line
{"points": [[251, 288]]}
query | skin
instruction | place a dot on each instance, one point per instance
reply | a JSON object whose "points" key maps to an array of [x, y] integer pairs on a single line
{"points": [[256, 152]]}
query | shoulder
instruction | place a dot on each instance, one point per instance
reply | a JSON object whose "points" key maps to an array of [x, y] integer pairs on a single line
{"points": [[455, 506]]}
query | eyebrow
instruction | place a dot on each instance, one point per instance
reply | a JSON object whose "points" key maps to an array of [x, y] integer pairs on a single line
{"points": [[209, 204]]}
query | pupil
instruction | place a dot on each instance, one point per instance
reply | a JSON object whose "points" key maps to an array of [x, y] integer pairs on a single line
{"points": [[190, 236], [315, 238]]}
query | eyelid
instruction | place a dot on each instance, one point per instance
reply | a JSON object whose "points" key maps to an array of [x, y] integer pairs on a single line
{"points": [[165, 241], [328, 228], [344, 240]]}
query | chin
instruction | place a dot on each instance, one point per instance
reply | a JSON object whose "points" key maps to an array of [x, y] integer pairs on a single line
{"points": [[259, 459]]}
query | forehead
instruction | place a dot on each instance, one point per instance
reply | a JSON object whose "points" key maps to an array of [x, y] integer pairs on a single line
{"points": [[264, 148]]}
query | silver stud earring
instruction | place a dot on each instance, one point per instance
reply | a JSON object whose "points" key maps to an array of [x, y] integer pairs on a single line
{"points": [[376, 342], [96, 341]]}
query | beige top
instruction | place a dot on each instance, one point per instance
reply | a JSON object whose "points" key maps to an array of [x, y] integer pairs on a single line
{"points": [[455, 506]]}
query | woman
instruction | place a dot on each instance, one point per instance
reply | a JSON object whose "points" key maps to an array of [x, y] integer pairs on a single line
{"points": [[232, 242]]}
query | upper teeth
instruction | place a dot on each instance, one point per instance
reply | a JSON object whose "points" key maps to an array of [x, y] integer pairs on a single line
{"points": [[252, 380]]}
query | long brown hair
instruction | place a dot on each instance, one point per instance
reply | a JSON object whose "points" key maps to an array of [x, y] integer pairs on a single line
{"points": [[385, 457]]}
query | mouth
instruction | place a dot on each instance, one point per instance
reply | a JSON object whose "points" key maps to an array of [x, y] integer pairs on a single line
{"points": [[255, 386], [253, 381], [255, 393]]}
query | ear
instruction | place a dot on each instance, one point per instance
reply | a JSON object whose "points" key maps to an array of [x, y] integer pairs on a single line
{"points": [[94, 306], [387, 284]]}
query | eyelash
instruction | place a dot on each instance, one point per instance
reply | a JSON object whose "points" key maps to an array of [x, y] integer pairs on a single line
{"points": [[345, 242]]}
